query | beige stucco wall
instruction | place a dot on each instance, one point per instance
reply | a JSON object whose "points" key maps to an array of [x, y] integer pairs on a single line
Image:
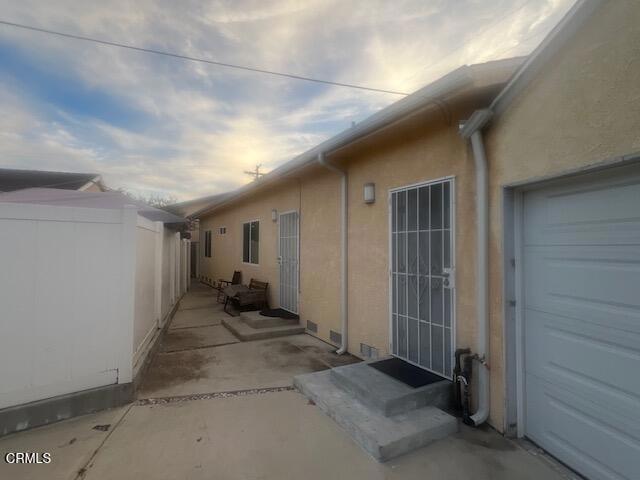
{"points": [[428, 151], [320, 251], [227, 249], [427, 147], [315, 196], [582, 109]]}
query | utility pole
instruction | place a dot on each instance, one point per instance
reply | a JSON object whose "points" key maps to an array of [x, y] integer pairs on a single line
{"points": [[256, 174]]}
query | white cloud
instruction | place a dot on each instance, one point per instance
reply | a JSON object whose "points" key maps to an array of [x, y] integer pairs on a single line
{"points": [[207, 124]]}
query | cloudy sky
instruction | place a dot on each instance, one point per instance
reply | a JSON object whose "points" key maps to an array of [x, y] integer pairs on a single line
{"points": [[162, 126]]}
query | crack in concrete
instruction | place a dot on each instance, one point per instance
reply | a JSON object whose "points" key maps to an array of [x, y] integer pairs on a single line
{"points": [[200, 347], [82, 472]]}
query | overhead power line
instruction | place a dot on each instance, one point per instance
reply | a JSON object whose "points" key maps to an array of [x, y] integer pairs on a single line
{"points": [[196, 59]]}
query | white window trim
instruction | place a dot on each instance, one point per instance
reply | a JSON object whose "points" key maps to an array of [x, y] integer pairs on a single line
{"points": [[250, 263]]}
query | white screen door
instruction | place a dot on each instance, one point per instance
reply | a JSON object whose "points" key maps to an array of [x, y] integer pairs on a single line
{"points": [[422, 283], [288, 260]]}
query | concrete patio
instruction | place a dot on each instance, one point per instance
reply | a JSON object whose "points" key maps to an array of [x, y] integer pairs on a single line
{"points": [[213, 407]]}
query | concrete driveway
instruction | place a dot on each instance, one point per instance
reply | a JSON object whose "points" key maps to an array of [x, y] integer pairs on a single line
{"points": [[227, 411]]}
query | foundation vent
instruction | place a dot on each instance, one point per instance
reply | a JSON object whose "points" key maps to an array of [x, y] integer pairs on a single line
{"points": [[312, 327], [335, 337], [368, 352]]}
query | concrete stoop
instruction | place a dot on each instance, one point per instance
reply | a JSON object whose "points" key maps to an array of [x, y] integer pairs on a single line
{"points": [[387, 423], [255, 320], [387, 395], [245, 332]]}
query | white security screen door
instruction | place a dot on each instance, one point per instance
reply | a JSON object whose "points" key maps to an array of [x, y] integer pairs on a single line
{"points": [[288, 260], [422, 284]]}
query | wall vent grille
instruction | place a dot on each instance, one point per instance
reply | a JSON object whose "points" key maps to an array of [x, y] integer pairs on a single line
{"points": [[368, 352], [312, 327]]}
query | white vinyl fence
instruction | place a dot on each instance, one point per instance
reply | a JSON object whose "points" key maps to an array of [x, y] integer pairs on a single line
{"points": [[83, 292]]}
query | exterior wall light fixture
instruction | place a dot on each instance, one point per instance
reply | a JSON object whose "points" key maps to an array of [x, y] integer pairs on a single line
{"points": [[369, 192], [274, 215]]}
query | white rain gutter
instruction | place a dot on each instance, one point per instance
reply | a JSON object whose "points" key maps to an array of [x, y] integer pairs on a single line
{"points": [[472, 130], [344, 281]]}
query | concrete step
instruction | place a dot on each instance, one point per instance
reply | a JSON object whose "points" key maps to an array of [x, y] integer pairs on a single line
{"points": [[246, 333], [382, 437], [255, 320], [387, 395]]}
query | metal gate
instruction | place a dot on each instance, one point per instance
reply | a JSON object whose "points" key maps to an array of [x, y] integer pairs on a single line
{"points": [[422, 281], [288, 260]]}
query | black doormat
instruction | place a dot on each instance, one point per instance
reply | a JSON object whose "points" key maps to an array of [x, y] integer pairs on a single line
{"points": [[405, 372], [278, 312]]}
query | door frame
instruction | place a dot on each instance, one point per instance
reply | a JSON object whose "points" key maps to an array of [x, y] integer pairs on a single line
{"points": [[452, 210], [297, 262]]}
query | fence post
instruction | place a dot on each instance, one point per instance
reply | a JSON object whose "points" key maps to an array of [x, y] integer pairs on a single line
{"points": [[158, 272], [189, 273], [185, 260], [176, 246], [128, 286]]}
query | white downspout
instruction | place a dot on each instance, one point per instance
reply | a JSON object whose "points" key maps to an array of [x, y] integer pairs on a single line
{"points": [[344, 305], [482, 281]]}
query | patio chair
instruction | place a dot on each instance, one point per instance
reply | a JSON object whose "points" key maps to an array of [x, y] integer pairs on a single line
{"points": [[222, 284], [241, 295]]}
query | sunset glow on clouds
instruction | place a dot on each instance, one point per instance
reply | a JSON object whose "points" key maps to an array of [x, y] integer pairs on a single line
{"points": [[158, 125]]}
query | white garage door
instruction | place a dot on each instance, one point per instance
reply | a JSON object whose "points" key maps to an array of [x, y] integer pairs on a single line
{"points": [[581, 283]]}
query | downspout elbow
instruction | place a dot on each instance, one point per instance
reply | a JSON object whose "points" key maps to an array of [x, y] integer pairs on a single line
{"points": [[344, 307]]}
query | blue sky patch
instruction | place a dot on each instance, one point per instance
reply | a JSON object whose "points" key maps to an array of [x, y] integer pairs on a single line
{"points": [[63, 90]]}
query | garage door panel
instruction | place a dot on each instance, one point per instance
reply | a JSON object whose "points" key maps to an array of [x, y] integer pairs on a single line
{"points": [[562, 353], [595, 442], [597, 287], [581, 281], [575, 214]]}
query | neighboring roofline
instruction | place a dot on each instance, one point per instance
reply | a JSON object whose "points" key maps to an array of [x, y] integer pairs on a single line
{"points": [[93, 177], [97, 180], [75, 198], [550, 45], [428, 95], [186, 203]]}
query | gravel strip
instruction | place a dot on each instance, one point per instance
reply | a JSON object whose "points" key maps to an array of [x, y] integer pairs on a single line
{"points": [[207, 396]]}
